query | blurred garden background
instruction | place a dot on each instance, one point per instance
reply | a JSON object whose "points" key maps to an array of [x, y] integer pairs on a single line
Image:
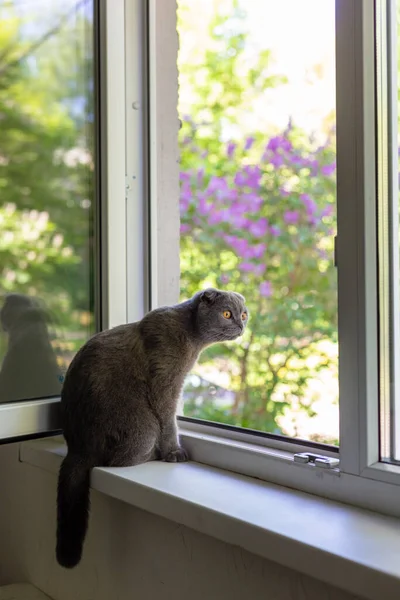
{"points": [[258, 207], [47, 164]]}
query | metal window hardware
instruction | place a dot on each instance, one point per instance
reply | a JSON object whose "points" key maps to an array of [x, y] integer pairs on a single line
{"points": [[128, 182], [317, 460]]}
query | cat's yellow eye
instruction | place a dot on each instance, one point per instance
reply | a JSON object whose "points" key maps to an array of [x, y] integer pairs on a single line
{"points": [[244, 316], [227, 314]]}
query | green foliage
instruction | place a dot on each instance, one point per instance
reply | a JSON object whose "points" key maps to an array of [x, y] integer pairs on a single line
{"points": [[257, 217], [46, 164]]}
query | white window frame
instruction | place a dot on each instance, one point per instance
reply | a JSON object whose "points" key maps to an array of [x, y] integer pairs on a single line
{"points": [[361, 479], [140, 241], [20, 420], [121, 44]]}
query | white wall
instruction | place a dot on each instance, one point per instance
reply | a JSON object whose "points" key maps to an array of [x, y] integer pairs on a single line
{"points": [[130, 554]]}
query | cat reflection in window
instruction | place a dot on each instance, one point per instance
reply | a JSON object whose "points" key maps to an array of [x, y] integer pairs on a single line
{"points": [[29, 369]]}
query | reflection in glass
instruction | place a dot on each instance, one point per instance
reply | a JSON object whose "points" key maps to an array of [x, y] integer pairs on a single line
{"points": [[29, 368], [46, 192], [258, 207]]}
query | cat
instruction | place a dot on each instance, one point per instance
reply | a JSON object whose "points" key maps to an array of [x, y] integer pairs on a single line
{"points": [[29, 369], [120, 396]]}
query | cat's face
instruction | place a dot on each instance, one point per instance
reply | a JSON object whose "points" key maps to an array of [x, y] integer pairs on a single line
{"points": [[221, 316]]}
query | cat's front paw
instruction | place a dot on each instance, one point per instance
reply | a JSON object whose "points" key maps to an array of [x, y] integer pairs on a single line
{"points": [[177, 455]]}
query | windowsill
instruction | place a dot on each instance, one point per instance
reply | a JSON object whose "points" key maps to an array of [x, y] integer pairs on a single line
{"points": [[351, 548]]}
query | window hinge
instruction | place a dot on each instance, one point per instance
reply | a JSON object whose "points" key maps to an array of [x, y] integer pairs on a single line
{"points": [[316, 460]]}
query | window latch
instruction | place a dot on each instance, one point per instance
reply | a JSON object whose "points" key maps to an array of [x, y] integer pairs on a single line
{"points": [[316, 460]]}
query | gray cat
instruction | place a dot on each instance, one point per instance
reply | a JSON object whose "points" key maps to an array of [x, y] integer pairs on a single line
{"points": [[120, 397]]}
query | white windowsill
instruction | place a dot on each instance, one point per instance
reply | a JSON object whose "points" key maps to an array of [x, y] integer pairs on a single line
{"points": [[350, 548]]}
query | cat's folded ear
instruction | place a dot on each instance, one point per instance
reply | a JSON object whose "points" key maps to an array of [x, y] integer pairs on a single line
{"points": [[209, 295], [242, 298]]}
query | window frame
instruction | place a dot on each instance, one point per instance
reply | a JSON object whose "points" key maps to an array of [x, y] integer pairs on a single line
{"points": [[140, 242], [361, 478], [37, 417], [357, 239], [119, 205], [388, 227]]}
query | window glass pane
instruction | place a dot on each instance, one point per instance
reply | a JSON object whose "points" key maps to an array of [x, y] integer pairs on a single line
{"points": [[47, 192], [388, 143], [258, 207]]}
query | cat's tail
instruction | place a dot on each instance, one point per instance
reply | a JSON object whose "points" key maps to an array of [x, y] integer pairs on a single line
{"points": [[73, 501]]}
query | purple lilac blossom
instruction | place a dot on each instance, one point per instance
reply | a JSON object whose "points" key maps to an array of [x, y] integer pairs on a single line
{"points": [[276, 161], [327, 211], [185, 197], [237, 208], [328, 169], [259, 269], [273, 144], [249, 142], [231, 195], [216, 184], [202, 207], [254, 175], [279, 142], [246, 267], [313, 164], [291, 217], [229, 239], [238, 221], [309, 204], [224, 278], [249, 176], [297, 160], [240, 245], [258, 250], [252, 201], [230, 149], [258, 228], [313, 220], [265, 289], [240, 179], [274, 231], [215, 217]]}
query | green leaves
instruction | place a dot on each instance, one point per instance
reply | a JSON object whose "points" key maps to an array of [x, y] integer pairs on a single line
{"points": [[260, 220], [46, 160]]}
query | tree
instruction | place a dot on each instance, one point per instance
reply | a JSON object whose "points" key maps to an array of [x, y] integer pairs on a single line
{"points": [[257, 217], [46, 165]]}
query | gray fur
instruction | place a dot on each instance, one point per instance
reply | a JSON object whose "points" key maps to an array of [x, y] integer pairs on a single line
{"points": [[120, 398]]}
